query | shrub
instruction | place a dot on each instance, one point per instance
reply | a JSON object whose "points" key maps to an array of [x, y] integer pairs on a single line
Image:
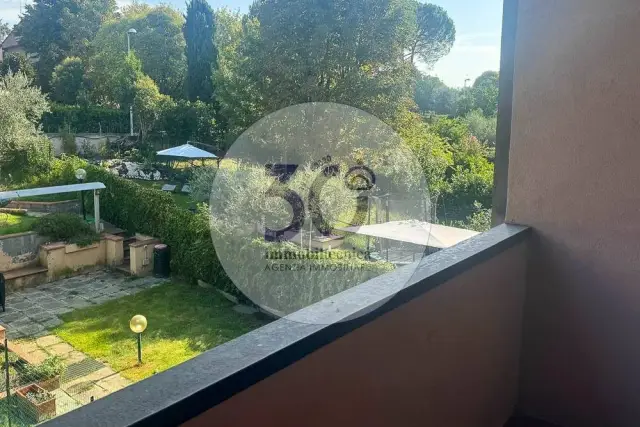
{"points": [[69, 143], [62, 171], [52, 366], [66, 227], [482, 127]]}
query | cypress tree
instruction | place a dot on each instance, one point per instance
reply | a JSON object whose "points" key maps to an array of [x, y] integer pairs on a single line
{"points": [[202, 54]]}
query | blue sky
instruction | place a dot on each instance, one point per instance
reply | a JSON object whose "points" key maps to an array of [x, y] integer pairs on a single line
{"points": [[477, 47]]}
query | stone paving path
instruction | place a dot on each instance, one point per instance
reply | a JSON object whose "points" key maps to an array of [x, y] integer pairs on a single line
{"points": [[32, 312], [95, 380]]}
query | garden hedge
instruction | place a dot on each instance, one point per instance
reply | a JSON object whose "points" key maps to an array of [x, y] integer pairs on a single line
{"points": [[78, 119], [152, 212]]}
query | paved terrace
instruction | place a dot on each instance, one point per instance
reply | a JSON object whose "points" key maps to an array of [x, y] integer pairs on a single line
{"points": [[33, 312]]}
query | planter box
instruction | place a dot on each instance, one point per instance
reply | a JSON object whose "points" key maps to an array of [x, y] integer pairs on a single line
{"points": [[38, 411]]}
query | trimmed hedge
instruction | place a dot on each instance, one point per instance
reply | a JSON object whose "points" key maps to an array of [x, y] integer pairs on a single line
{"points": [[77, 119], [153, 212]]}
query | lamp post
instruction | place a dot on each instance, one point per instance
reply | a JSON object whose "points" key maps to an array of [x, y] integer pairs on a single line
{"points": [[81, 175], [129, 34], [138, 324]]}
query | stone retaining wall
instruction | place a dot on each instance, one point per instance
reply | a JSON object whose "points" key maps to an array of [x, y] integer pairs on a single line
{"points": [[19, 250]]}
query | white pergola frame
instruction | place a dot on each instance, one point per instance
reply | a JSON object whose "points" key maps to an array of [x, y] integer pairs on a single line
{"points": [[60, 189]]}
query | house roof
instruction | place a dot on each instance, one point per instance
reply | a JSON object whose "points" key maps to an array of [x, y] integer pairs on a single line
{"points": [[10, 41]]}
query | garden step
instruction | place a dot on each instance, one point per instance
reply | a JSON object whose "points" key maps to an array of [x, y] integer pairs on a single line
{"points": [[23, 272], [124, 268]]}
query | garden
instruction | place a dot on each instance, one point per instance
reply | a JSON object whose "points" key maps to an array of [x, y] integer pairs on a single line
{"points": [[204, 77]]}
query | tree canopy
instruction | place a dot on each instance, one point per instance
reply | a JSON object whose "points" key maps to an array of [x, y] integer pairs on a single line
{"points": [[345, 51], [202, 54], [17, 63], [434, 36], [4, 30], [67, 81], [57, 29], [159, 45], [432, 95], [485, 90], [24, 150]]}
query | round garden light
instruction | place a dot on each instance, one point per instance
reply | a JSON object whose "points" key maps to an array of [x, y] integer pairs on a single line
{"points": [[138, 324], [81, 175]]}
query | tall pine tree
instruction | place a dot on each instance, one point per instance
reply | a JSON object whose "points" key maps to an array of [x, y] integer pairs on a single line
{"points": [[202, 54]]}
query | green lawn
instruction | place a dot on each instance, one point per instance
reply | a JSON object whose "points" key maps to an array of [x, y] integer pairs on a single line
{"points": [[10, 224], [183, 321], [182, 199]]}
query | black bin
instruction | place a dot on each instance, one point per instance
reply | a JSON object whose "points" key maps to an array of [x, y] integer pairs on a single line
{"points": [[161, 261]]}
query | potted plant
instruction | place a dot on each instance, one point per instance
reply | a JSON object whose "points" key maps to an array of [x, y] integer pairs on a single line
{"points": [[40, 403], [46, 374]]}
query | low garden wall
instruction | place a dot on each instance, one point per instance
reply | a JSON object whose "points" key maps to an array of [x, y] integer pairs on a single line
{"points": [[66, 206], [63, 259], [19, 250]]}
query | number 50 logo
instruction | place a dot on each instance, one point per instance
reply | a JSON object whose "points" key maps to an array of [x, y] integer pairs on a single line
{"points": [[357, 178]]}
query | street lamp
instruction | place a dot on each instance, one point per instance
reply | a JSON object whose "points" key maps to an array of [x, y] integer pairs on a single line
{"points": [[138, 324], [81, 175], [129, 33]]}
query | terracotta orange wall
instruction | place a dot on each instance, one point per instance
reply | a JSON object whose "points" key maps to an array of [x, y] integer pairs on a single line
{"points": [[574, 176], [448, 358]]}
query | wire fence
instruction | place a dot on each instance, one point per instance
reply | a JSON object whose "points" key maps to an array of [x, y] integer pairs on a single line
{"points": [[40, 386]]}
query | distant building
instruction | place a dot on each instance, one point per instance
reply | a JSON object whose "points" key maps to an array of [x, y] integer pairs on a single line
{"points": [[11, 44]]}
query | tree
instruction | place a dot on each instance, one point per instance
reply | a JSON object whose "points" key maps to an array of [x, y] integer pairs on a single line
{"points": [[485, 92], [159, 45], [434, 36], [236, 94], [202, 54], [432, 95], [24, 149], [112, 79], [149, 103], [57, 29], [466, 101], [4, 30], [15, 63], [482, 127], [67, 81], [470, 178], [344, 51]]}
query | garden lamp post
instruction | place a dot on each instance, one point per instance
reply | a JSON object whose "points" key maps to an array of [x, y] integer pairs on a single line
{"points": [[129, 34], [138, 324], [81, 175]]}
